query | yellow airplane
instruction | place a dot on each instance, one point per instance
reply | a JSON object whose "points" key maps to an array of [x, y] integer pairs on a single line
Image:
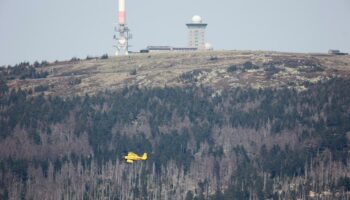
{"points": [[131, 157]]}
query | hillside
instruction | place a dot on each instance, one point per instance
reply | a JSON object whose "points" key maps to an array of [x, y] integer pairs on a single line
{"points": [[216, 125]]}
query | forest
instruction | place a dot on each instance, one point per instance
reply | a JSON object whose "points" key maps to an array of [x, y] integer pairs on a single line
{"points": [[238, 143]]}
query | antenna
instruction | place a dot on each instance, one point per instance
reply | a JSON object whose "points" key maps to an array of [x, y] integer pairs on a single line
{"points": [[123, 32]]}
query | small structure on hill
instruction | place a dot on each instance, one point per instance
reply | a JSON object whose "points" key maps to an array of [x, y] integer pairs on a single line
{"points": [[336, 52]]}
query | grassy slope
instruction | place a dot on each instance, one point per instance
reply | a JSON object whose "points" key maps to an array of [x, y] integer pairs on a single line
{"points": [[179, 69]]}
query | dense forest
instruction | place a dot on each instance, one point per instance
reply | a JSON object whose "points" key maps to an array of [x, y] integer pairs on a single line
{"points": [[235, 143]]}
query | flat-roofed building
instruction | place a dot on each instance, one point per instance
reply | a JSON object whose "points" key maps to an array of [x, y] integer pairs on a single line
{"points": [[336, 52], [160, 49]]}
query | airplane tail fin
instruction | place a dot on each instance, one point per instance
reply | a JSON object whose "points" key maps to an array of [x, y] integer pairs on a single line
{"points": [[144, 156]]}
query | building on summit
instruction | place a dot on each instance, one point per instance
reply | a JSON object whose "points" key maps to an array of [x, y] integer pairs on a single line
{"points": [[196, 39]]}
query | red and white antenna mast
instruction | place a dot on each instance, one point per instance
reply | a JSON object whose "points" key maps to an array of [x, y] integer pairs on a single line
{"points": [[123, 31]]}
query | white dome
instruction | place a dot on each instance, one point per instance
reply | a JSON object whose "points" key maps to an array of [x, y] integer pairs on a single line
{"points": [[196, 19], [208, 46]]}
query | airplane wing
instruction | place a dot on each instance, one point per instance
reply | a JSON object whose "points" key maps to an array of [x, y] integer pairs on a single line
{"points": [[130, 161]]}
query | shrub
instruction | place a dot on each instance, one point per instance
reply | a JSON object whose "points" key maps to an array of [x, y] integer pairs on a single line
{"points": [[133, 72], [74, 59], [104, 56], [41, 88], [249, 65], [213, 58], [232, 68]]}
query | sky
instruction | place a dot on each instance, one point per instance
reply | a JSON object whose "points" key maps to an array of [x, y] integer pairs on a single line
{"points": [[36, 30]]}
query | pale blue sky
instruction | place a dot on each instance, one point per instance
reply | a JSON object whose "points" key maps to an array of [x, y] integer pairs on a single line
{"points": [[61, 29]]}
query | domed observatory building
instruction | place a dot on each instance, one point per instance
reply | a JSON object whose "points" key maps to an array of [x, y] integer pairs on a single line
{"points": [[196, 33]]}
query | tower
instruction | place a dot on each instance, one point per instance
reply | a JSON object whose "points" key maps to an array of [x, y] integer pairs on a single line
{"points": [[196, 33], [123, 31]]}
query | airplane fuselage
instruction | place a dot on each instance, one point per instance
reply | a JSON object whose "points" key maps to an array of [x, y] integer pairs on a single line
{"points": [[131, 157]]}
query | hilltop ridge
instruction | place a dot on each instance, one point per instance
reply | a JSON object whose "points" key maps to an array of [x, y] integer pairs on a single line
{"points": [[217, 69]]}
